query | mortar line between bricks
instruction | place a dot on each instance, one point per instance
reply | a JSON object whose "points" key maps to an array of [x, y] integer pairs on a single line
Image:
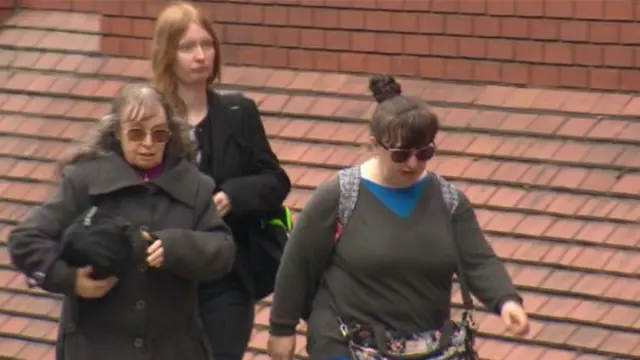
{"points": [[454, 129], [499, 234], [31, 339], [549, 345], [529, 211], [345, 30], [400, 33], [489, 182], [101, 55], [54, 29], [543, 317], [25, 314], [544, 291], [41, 295], [311, 93], [374, 53], [622, 170], [443, 57], [37, 137], [21, 8], [97, 54], [496, 208], [395, 10], [441, 104], [325, 142], [91, 53], [480, 156], [497, 183]]}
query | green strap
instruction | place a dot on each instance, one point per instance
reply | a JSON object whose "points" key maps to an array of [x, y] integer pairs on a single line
{"points": [[287, 223]]}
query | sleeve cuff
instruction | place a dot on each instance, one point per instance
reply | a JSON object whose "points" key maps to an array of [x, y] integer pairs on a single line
{"points": [[503, 300], [59, 279], [281, 330]]}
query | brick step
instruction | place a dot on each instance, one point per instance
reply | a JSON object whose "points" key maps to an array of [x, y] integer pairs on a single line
{"points": [[548, 102]]}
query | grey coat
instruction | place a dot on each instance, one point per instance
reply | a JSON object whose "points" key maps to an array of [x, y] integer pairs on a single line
{"points": [[151, 313]]}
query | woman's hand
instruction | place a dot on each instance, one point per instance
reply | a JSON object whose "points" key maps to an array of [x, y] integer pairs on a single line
{"points": [[88, 288], [155, 251], [515, 318], [281, 347], [223, 203]]}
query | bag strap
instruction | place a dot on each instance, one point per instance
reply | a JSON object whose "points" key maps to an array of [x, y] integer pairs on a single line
{"points": [[451, 198], [349, 179]]}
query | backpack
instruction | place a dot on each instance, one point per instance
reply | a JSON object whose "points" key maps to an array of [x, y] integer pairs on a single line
{"points": [[349, 180], [265, 253]]}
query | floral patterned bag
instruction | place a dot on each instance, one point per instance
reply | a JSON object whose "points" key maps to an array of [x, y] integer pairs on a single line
{"points": [[454, 341]]}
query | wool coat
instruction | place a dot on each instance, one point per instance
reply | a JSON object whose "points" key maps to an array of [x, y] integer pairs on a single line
{"points": [[151, 313]]}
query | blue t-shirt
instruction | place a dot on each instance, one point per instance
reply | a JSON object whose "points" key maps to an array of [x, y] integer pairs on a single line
{"points": [[402, 201]]}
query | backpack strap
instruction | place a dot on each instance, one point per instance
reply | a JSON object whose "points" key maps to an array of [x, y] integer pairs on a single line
{"points": [[349, 179], [449, 193], [452, 199]]}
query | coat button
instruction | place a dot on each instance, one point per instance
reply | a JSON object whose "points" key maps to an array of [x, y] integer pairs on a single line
{"points": [[140, 304], [138, 343], [143, 268]]}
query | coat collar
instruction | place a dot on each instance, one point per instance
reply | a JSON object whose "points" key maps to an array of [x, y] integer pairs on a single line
{"points": [[110, 173], [226, 110]]}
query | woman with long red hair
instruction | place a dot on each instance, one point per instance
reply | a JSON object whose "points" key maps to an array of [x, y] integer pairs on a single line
{"points": [[233, 150]]}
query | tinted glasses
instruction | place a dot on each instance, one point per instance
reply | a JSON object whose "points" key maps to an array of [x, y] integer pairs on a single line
{"points": [[400, 155], [159, 136]]}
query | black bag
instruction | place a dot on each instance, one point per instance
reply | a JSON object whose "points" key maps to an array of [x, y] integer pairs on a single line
{"points": [[107, 243], [267, 242]]}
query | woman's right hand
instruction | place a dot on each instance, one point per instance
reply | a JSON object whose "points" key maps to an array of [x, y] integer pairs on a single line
{"points": [[281, 347], [89, 288]]}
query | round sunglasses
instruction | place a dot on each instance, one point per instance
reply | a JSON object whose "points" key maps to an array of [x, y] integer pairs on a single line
{"points": [[158, 136], [400, 155]]}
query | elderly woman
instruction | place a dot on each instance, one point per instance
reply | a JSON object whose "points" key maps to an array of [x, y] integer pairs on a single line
{"points": [[138, 167]]}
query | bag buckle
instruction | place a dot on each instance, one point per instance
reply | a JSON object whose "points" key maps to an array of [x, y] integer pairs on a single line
{"points": [[469, 319], [344, 329]]}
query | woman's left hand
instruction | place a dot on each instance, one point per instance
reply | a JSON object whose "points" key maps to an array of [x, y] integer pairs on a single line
{"points": [[155, 251], [515, 318]]}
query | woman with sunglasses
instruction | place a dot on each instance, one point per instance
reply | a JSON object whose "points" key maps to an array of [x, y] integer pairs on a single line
{"points": [[393, 265], [134, 167]]}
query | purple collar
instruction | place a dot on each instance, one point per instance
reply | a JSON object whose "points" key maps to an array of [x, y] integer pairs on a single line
{"points": [[150, 174]]}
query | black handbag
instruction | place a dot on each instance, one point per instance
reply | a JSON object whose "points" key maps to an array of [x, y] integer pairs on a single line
{"points": [[268, 240], [107, 243]]}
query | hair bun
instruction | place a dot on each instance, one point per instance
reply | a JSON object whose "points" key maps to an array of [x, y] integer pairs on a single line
{"points": [[384, 87]]}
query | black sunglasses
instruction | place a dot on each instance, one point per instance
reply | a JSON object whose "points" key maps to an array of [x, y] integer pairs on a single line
{"points": [[400, 155]]}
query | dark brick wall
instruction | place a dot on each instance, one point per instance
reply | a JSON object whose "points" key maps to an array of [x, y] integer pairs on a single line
{"points": [[549, 43], [6, 9]]}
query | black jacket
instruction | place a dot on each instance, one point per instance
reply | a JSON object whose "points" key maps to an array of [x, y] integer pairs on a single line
{"points": [[237, 155]]}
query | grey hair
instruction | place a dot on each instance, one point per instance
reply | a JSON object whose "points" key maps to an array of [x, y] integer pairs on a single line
{"points": [[103, 140]]}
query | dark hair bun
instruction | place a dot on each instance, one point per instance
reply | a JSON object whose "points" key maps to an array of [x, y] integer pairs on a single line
{"points": [[384, 87]]}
